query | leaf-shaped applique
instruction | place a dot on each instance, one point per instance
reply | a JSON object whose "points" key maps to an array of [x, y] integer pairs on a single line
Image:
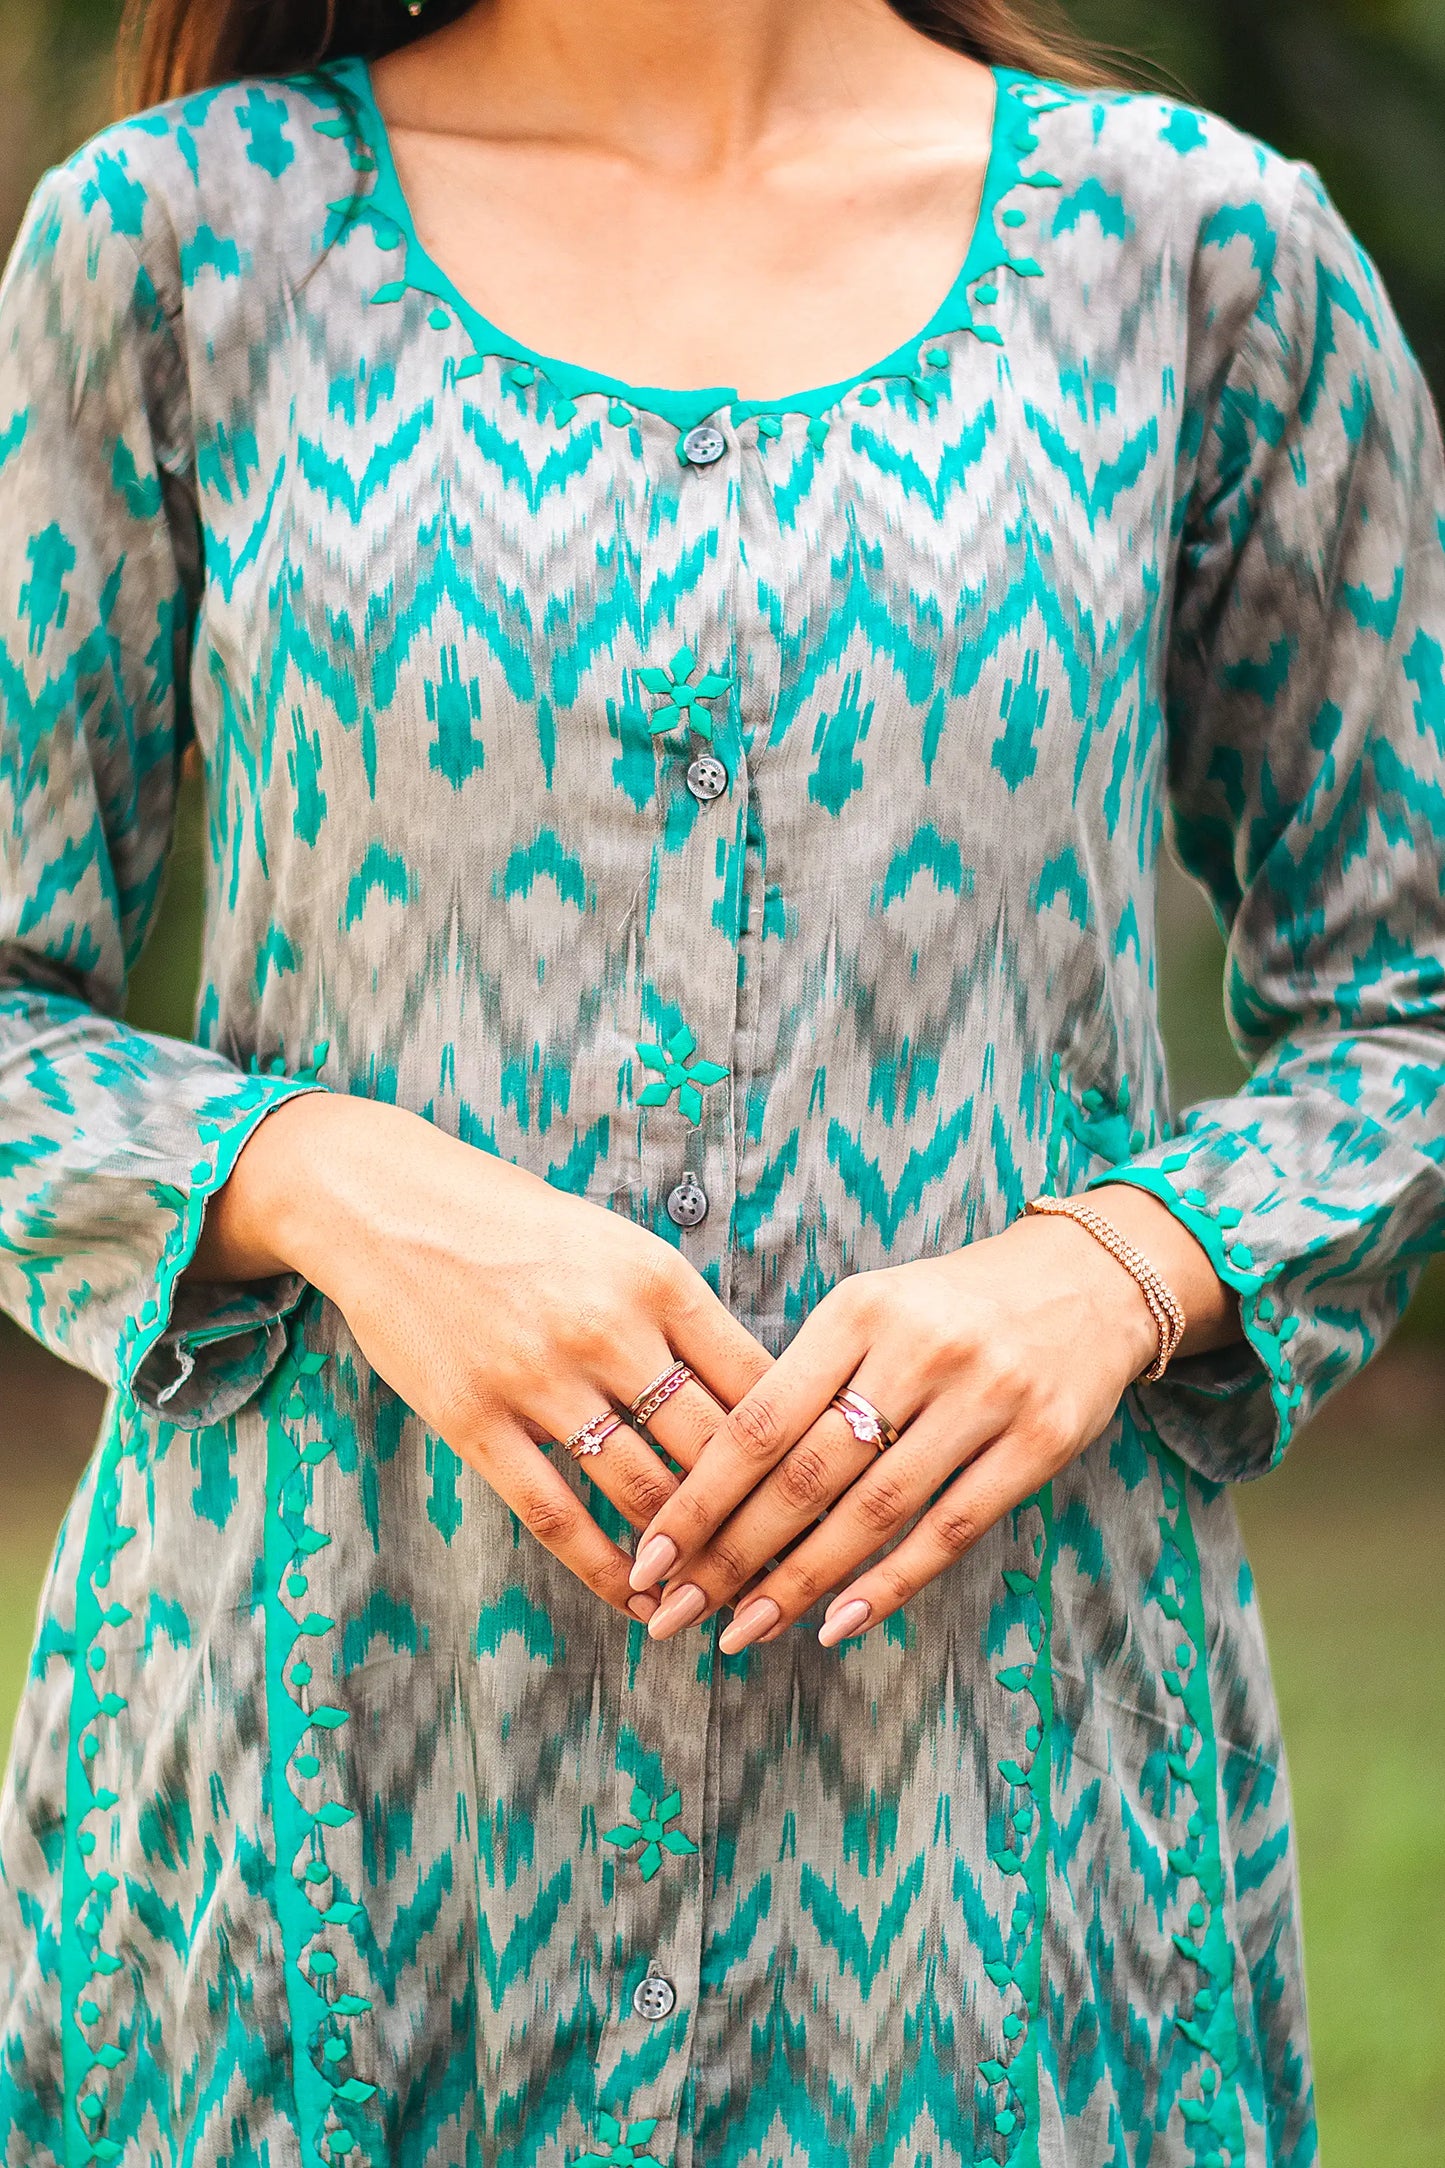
{"points": [[1196, 2111], [999, 1974], [624, 1834], [639, 2133], [651, 1057], [709, 685], [640, 1802], [682, 1045], [689, 1101], [1011, 1773], [666, 1808], [649, 1859], [1016, 1677], [656, 681], [609, 2130], [994, 2072], [706, 1072], [655, 1094], [684, 662], [664, 719], [702, 724], [677, 1841], [1022, 1584]]}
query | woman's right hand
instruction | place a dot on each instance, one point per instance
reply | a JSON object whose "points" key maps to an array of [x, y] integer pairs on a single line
{"points": [[502, 1310]]}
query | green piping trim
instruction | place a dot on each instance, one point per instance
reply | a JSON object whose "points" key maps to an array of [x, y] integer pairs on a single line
{"points": [[1213, 2118], [559, 385], [220, 1142], [1016, 2110], [320, 2012], [1267, 1326], [90, 2058]]}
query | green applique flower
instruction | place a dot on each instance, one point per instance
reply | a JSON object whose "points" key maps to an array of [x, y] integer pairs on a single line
{"points": [[651, 1831], [623, 2143], [679, 1073], [684, 702]]}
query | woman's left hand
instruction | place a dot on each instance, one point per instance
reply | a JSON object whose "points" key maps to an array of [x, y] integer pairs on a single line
{"points": [[996, 1364]]}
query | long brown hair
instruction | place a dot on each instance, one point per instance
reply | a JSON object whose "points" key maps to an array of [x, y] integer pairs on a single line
{"points": [[171, 47]]}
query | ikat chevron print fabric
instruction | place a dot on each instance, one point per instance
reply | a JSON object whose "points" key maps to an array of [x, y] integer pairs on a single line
{"points": [[342, 1825]]}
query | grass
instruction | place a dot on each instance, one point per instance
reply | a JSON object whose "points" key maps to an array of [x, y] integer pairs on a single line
{"points": [[1348, 1544]]}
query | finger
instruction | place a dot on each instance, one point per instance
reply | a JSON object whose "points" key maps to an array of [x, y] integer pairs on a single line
{"points": [[769, 1418], [875, 1511], [624, 1467], [1010, 1470], [823, 1464], [703, 1333], [547, 1506], [682, 1424]]}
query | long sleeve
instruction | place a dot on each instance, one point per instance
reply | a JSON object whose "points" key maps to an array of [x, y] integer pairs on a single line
{"points": [[111, 1140], [1307, 784]]}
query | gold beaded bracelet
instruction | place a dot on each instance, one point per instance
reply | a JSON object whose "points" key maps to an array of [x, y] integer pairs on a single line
{"points": [[1169, 1318]]}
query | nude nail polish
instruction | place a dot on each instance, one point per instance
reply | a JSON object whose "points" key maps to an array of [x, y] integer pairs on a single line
{"points": [[753, 1619], [844, 1622], [655, 1559], [679, 1607]]}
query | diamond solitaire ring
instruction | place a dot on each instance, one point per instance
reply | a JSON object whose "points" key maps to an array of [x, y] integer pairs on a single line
{"points": [[868, 1425]]}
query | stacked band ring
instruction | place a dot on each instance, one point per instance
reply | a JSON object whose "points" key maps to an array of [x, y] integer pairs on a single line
{"points": [[662, 1388], [592, 1436], [867, 1423]]}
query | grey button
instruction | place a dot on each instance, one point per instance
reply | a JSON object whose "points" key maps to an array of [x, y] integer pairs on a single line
{"points": [[703, 445], [654, 1997], [687, 1204], [707, 778]]}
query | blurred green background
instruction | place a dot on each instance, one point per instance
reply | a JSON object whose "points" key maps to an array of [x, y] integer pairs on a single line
{"points": [[1348, 1539]]}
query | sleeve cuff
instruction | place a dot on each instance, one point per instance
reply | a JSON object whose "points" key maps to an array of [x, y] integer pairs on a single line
{"points": [[1231, 1414], [196, 1353]]}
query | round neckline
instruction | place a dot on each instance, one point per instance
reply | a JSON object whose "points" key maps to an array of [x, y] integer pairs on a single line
{"points": [[387, 210]]}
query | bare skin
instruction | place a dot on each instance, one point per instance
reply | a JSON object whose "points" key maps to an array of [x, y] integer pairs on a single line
{"points": [[764, 194], [768, 195]]}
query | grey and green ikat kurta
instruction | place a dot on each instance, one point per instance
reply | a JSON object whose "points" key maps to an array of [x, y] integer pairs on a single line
{"points": [[342, 1825]]}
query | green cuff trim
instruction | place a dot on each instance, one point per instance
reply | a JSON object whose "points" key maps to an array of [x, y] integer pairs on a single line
{"points": [[1268, 1326], [221, 1140]]}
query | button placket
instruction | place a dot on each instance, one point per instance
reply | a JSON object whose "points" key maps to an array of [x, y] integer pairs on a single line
{"points": [[655, 1854]]}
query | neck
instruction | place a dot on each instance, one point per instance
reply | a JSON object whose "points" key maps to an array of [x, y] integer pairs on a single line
{"points": [[692, 85]]}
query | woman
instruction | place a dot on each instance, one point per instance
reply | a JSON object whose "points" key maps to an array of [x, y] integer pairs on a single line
{"points": [[681, 882]]}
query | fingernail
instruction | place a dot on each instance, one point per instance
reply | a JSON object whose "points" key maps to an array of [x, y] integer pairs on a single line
{"points": [[679, 1607], [839, 1624], [754, 1618], [642, 1607], [653, 1562]]}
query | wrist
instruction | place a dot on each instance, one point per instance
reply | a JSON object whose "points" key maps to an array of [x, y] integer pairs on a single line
{"points": [[293, 1199], [1211, 1308]]}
